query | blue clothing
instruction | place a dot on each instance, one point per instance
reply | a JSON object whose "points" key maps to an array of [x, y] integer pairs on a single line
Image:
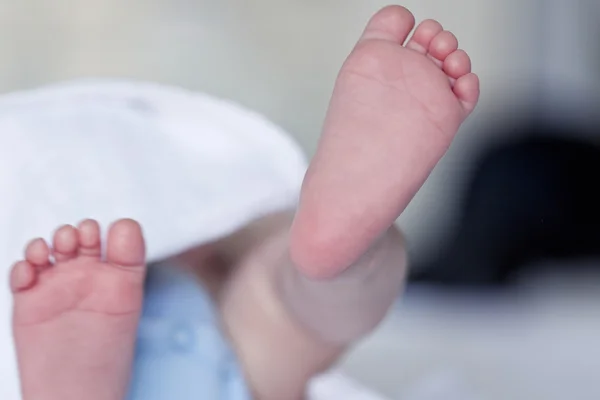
{"points": [[181, 353]]}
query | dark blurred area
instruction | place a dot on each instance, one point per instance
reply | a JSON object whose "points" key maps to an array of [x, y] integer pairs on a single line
{"points": [[529, 195], [530, 199]]}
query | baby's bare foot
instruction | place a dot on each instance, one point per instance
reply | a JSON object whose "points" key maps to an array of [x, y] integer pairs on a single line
{"points": [[75, 320], [394, 112]]}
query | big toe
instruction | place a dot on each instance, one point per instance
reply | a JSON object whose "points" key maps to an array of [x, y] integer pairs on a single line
{"points": [[125, 244], [392, 23]]}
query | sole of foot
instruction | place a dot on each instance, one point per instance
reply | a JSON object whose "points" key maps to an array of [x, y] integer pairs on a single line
{"points": [[397, 105], [76, 313]]}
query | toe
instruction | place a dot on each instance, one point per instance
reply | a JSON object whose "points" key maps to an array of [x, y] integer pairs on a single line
{"points": [[22, 276], [37, 253], [89, 239], [442, 45], [466, 90], [65, 243], [457, 64], [423, 35], [392, 23], [125, 244]]}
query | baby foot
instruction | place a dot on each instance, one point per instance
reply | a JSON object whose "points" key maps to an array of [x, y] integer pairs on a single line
{"points": [[393, 114], [75, 320]]}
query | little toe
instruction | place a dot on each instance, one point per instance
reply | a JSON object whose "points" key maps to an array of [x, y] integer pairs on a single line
{"points": [[441, 46], [125, 244], [37, 253], [392, 23], [22, 276], [65, 243], [466, 90], [457, 64], [89, 239], [423, 35]]}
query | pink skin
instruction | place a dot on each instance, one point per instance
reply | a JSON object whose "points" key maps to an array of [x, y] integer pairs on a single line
{"points": [[393, 114], [75, 320]]}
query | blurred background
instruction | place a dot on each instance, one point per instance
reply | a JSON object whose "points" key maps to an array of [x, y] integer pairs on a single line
{"points": [[504, 299]]}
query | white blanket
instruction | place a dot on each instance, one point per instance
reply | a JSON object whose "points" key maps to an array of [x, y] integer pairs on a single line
{"points": [[189, 167]]}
